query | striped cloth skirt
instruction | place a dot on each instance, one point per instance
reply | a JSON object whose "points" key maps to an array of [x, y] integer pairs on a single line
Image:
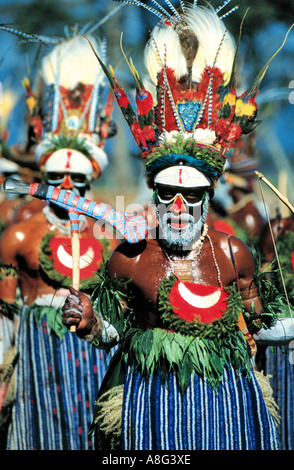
{"points": [[57, 382], [6, 335], [157, 417], [280, 365]]}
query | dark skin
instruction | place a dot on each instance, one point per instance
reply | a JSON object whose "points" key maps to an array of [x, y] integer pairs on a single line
{"points": [[146, 265], [247, 217], [19, 247], [278, 227]]}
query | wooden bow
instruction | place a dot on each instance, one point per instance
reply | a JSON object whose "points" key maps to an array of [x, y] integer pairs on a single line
{"points": [[287, 203]]}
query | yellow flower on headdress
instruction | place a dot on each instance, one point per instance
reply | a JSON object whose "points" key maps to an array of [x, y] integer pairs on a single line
{"points": [[242, 108], [30, 97]]}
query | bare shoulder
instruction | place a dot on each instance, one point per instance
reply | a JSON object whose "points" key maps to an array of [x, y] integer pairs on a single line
{"points": [[124, 257], [235, 249], [227, 241], [18, 234]]}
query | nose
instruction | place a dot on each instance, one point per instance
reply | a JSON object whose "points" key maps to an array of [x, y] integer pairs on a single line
{"points": [[178, 205], [67, 183]]}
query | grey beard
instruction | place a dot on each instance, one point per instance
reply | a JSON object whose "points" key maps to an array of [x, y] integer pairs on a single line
{"points": [[180, 241]]}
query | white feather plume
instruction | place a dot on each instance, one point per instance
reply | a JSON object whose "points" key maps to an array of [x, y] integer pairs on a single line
{"points": [[164, 38], [210, 32], [70, 62]]}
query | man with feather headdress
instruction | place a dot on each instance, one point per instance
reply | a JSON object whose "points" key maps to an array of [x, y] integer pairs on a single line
{"points": [[57, 376], [184, 302]]}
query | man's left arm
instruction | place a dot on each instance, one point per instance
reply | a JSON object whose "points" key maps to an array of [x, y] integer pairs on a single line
{"points": [[265, 326]]}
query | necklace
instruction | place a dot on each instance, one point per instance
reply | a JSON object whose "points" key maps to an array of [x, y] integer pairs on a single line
{"points": [[215, 262], [62, 225], [198, 244], [182, 266]]}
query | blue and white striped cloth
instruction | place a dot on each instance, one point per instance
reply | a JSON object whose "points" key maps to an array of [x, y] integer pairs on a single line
{"points": [[57, 383], [157, 417], [6, 335], [280, 365]]}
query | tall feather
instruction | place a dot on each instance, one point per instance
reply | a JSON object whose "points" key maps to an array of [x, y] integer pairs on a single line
{"points": [[210, 30], [254, 88]]}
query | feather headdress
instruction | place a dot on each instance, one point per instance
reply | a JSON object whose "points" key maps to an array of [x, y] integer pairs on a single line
{"points": [[68, 90], [194, 115], [67, 106]]}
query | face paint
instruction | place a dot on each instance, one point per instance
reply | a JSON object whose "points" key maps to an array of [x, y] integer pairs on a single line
{"points": [[76, 182], [190, 197], [180, 216]]}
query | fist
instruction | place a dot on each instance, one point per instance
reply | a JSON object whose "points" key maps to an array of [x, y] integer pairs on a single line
{"points": [[78, 311]]}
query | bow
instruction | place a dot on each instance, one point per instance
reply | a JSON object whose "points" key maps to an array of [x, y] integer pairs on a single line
{"points": [[289, 205]]}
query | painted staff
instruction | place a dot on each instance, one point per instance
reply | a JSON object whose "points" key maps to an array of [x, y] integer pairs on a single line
{"points": [[75, 248], [132, 227]]}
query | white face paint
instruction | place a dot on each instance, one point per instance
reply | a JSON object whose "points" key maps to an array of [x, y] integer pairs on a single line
{"points": [[182, 176], [181, 225], [182, 199], [68, 160], [71, 160]]}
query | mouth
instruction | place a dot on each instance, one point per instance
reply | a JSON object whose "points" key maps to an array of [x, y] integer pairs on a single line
{"points": [[178, 224]]}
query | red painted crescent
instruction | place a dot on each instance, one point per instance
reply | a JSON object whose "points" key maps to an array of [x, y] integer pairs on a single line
{"points": [[90, 256], [199, 302]]}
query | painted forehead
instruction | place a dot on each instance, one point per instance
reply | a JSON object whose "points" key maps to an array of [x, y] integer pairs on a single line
{"points": [[182, 176]]}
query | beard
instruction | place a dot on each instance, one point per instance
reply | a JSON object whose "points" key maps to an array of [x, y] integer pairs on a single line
{"points": [[178, 233]]}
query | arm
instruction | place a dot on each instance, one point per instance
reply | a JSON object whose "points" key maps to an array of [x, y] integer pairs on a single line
{"points": [[245, 271], [78, 311], [82, 312], [265, 327]]}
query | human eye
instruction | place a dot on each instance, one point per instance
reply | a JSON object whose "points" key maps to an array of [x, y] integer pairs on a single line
{"points": [[55, 176], [165, 193], [78, 178], [193, 196]]}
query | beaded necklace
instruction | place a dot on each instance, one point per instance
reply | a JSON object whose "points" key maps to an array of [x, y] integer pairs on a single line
{"points": [[183, 267]]}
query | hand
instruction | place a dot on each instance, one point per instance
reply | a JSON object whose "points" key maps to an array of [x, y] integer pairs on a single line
{"points": [[77, 310]]}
